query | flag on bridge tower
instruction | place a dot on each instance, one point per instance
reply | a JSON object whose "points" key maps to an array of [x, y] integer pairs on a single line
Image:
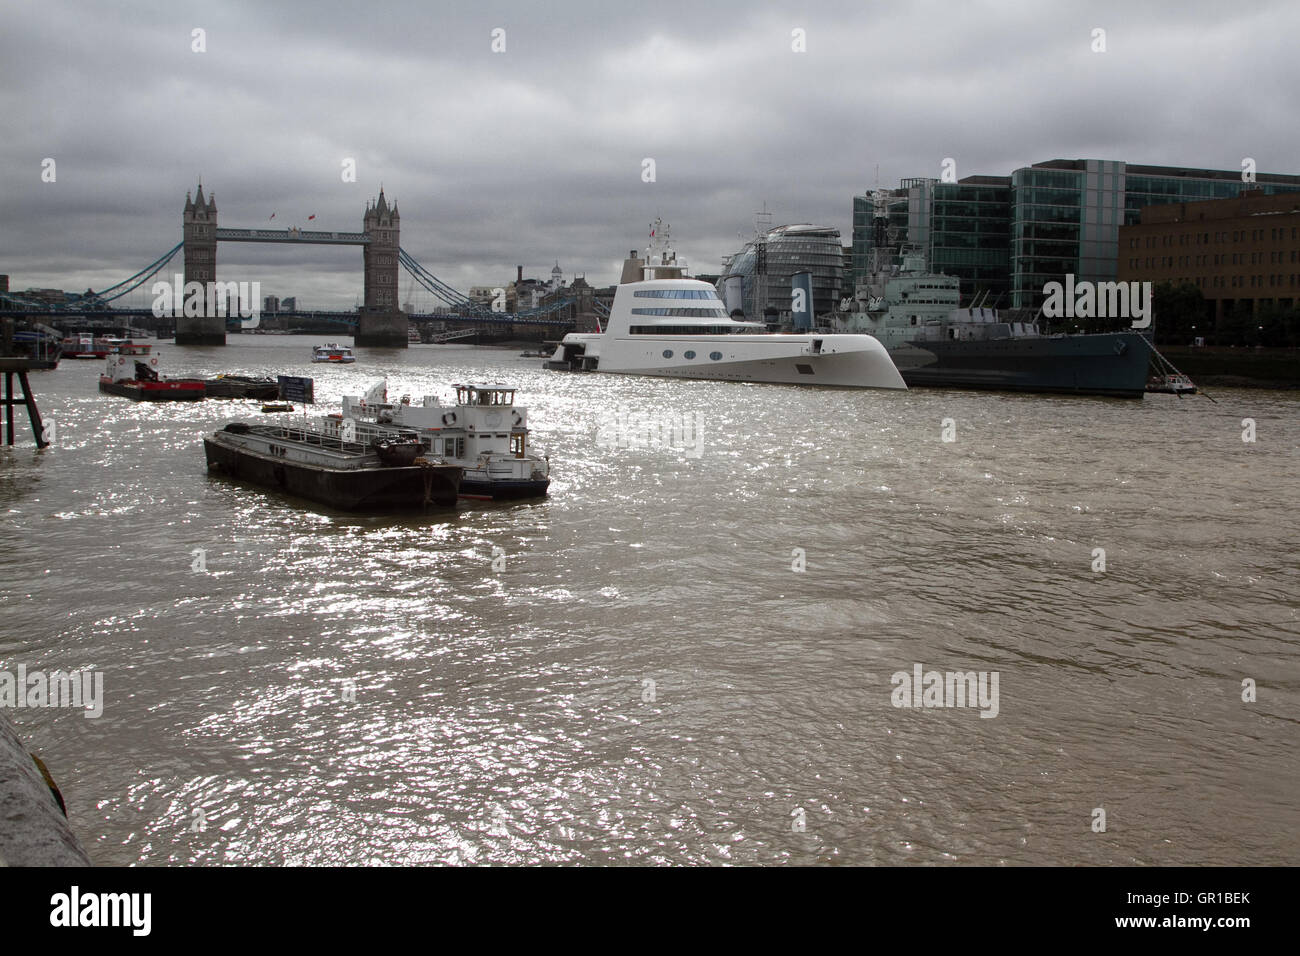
{"points": [[311, 217], [272, 217]]}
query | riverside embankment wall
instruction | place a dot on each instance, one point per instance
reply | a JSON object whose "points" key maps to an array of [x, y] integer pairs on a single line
{"points": [[33, 830]]}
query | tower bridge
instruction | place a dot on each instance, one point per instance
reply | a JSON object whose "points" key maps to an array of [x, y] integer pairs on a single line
{"points": [[377, 322]]}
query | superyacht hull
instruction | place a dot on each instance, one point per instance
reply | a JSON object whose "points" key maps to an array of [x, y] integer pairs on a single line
{"points": [[1110, 364], [840, 361]]}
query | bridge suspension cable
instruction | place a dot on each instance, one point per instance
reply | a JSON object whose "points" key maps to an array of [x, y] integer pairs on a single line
{"points": [[462, 302], [140, 278], [113, 292]]}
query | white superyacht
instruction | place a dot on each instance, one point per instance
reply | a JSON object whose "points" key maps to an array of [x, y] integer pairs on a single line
{"points": [[662, 323]]}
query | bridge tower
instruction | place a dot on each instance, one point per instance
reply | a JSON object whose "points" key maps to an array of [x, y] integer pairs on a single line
{"points": [[381, 323], [199, 231]]}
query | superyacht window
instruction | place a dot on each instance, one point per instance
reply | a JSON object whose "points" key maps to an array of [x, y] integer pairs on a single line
{"points": [[685, 313], [676, 294]]}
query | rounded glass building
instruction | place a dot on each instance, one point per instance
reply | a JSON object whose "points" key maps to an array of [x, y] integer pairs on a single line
{"points": [[767, 263]]}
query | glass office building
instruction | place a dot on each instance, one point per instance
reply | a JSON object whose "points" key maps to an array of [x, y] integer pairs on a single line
{"points": [[963, 229], [767, 263], [1067, 213], [1012, 235]]}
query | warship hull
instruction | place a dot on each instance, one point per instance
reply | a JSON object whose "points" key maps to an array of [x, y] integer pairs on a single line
{"points": [[1110, 364]]}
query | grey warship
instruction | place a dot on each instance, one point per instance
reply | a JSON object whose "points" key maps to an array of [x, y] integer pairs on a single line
{"points": [[915, 314]]}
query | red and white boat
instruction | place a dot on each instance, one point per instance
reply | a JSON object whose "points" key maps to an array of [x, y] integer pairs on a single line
{"points": [[136, 377], [334, 353], [84, 346]]}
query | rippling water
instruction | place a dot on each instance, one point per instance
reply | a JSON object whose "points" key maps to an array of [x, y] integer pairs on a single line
{"points": [[648, 679]]}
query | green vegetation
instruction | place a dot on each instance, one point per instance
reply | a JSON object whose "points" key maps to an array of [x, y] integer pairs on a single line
{"points": [[1182, 314]]}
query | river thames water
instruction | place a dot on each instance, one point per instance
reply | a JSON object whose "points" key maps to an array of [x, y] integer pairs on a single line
{"points": [[646, 675]]}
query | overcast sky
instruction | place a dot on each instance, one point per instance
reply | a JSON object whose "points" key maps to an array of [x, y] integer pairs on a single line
{"points": [[535, 154]]}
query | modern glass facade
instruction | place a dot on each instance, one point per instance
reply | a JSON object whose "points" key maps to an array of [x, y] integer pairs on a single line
{"points": [[965, 230], [1066, 214], [1011, 235], [768, 262]]}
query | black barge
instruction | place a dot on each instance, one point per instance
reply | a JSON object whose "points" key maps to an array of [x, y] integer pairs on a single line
{"points": [[343, 474]]}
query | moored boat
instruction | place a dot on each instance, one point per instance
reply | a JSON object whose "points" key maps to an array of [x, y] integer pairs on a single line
{"points": [[1171, 383], [42, 345], [333, 470], [664, 324], [485, 432], [138, 379], [85, 346]]}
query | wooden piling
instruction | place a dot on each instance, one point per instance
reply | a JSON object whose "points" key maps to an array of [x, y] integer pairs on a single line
{"points": [[18, 366]]}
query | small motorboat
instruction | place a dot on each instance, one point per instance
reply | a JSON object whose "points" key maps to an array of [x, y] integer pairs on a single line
{"points": [[1171, 383]]}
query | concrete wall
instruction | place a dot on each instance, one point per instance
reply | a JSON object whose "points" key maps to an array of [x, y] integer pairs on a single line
{"points": [[33, 830]]}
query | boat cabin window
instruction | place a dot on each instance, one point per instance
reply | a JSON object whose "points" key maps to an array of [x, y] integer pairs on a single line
{"points": [[686, 329], [517, 445], [453, 447], [471, 395]]}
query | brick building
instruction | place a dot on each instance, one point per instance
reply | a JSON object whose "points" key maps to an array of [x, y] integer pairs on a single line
{"points": [[1242, 251]]}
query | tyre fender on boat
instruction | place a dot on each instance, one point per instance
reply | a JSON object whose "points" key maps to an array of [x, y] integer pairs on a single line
{"points": [[518, 418], [449, 418]]}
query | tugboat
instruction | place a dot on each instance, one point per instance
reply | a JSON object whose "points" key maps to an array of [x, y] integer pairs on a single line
{"points": [[138, 380], [485, 432], [351, 473], [662, 323], [333, 352]]}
